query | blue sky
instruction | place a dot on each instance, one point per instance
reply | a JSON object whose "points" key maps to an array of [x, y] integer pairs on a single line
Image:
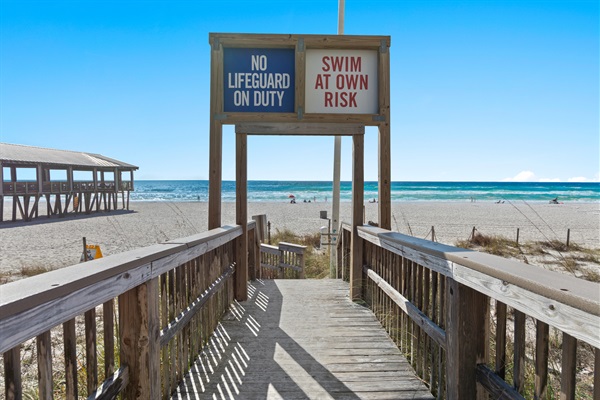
{"points": [[481, 90]]}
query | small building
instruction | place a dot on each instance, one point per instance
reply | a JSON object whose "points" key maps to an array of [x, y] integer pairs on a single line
{"points": [[66, 181]]}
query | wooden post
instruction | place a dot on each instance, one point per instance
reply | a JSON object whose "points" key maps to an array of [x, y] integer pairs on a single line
{"points": [[12, 374], [465, 335], [568, 237], [13, 180], [70, 349], [517, 236], [44, 358], [385, 193], [358, 188], [216, 136], [541, 359], [301, 260], [140, 334], [569, 367], [84, 250], [241, 216]]}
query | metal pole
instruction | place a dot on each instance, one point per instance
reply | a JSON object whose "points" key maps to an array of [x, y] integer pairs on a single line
{"points": [[84, 250], [337, 155]]}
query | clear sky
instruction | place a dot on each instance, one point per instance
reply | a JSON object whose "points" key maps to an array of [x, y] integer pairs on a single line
{"points": [[481, 90]]}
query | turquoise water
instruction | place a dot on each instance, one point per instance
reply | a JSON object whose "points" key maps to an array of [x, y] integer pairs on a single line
{"points": [[401, 191]]}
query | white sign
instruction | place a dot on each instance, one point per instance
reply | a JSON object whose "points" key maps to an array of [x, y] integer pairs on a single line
{"points": [[341, 81]]}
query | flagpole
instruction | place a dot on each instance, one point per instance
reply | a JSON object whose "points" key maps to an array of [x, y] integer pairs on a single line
{"points": [[337, 153]]}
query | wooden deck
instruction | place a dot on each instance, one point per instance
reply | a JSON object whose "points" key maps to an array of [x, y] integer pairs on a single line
{"points": [[301, 339]]}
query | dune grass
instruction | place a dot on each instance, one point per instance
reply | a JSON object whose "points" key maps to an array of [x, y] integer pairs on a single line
{"points": [[316, 260], [575, 259]]}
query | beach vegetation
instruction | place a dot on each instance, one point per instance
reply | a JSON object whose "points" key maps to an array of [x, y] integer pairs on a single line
{"points": [[33, 270], [316, 258], [497, 245], [574, 259]]}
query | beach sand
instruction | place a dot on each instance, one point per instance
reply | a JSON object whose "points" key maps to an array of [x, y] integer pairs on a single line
{"points": [[57, 242]]}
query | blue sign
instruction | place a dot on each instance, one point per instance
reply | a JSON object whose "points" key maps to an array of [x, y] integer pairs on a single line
{"points": [[258, 80]]}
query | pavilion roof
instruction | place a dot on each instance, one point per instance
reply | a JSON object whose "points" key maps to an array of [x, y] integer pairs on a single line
{"points": [[28, 156]]}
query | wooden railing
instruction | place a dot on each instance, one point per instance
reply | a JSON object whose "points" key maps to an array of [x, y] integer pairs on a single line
{"points": [[472, 323], [285, 261], [19, 188], [130, 323]]}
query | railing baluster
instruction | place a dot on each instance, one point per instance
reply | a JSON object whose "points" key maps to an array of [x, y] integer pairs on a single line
{"points": [[596, 374], [12, 374], [541, 360], [44, 359], [164, 320], [70, 348], [500, 339], [569, 364], [519, 352], [91, 357], [109, 337]]}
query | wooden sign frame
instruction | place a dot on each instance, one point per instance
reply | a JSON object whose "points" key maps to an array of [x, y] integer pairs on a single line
{"points": [[299, 123]]}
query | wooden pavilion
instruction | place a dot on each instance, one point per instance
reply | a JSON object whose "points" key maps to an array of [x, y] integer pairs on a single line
{"points": [[85, 181]]}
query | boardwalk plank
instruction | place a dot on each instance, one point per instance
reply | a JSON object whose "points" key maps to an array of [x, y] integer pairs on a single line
{"points": [[299, 339]]}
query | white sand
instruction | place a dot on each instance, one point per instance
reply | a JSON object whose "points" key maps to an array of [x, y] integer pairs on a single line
{"points": [[56, 243]]}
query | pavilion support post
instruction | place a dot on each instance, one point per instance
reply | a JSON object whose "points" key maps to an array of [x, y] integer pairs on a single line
{"points": [[13, 180], [216, 136], [40, 181], [466, 334], [14, 208], [26, 199], [358, 187], [1, 192], [96, 190], [139, 322], [241, 216]]}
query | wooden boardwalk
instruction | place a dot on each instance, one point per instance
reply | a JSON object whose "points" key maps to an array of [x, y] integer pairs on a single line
{"points": [[301, 339]]}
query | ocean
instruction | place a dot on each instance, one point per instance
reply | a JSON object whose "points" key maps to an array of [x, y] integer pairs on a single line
{"points": [[279, 191]]}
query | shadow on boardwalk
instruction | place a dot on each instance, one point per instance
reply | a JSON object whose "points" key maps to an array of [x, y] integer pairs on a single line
{"points": [[300, 339]]}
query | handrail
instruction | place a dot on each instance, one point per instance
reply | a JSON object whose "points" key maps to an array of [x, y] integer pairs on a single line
{"points": [[557, 298], [447, 308], [161, 289]]}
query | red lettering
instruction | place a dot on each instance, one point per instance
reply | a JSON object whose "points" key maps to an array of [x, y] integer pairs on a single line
{"points": [[353, 99], [325, 63], [355, 64], [328, 98], [322, 83], [351, 81], [364, 82], [340, 99]]}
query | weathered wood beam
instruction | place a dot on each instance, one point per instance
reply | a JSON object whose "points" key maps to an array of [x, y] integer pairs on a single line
{"points": [[139, 326], [358, 189], [300, 128], [241, 216], [465, 322], [216, 135]]}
